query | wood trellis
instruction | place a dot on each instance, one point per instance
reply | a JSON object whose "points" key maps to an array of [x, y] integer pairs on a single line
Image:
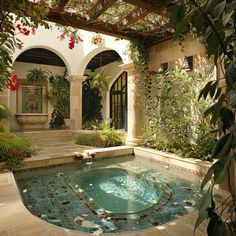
{"points": [[127, 19]]}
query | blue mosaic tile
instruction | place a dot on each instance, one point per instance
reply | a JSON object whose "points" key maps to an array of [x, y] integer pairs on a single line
{"points": [[50, 195]]}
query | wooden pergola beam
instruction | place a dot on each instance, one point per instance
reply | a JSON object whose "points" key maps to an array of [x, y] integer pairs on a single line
{"points": [[69, 19], [144, 5], [132, 18], [61, 5], [100, 8]]}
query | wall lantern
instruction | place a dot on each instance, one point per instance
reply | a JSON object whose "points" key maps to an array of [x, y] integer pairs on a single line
{"points": [[188, 63]]}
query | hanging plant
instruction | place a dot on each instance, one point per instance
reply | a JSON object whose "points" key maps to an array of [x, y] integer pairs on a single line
{"points": [[37, 75], [97, 39], [99, 80]]}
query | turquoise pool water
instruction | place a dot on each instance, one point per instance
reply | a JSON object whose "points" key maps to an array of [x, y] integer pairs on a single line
{"points": [[115, 195]]}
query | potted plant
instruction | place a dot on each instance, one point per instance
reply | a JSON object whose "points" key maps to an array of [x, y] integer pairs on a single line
{"points": [[97, 40], [37, 75]]}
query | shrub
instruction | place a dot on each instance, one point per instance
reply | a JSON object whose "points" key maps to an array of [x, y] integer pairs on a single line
{"points": [[85, 139], [57, 120], [13, 150], [109, 136], [104, 136], [5, 112], [175, 121]]}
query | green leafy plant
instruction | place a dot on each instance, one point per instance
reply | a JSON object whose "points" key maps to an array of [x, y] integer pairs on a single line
{"points": [[5, 112], [37, 75], [57, 120], [214, 23], [13, 15], [98, 80], [13, 150], [86, 139], [104, 136], [108, 135], [175, 122], [59, 97], [91, 103]]}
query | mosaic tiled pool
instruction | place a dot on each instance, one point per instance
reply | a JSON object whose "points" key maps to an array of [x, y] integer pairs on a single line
{"points": [[114, 195]]}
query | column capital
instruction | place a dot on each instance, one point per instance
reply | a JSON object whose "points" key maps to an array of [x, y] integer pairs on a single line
{"points": [[129, 67], [76, 77]]}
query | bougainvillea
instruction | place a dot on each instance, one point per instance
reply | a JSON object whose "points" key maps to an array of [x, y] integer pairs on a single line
{"points": [[14, 85], [97, 39], [26, 17], [72, 34]]}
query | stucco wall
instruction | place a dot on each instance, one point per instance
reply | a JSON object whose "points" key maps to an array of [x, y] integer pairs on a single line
{"points": [[76, 59], [173, 53]]}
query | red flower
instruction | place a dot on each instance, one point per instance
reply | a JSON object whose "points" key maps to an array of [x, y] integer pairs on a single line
{"points": [[62, 36], [13, 85], [71, 45], [33, 31], [136, 78], [14, 77], [95, 41], [18, 26], [72, 42]]}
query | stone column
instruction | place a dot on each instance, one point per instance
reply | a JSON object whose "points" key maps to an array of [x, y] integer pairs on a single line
{"points": [[107, 112], [76, 101], [135, 108]]}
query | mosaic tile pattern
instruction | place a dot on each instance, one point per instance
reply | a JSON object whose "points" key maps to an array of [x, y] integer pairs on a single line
{"points": [[47, 194]]}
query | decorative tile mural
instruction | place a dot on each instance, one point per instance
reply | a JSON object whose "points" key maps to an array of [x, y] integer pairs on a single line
{"points": [[31, 99]]}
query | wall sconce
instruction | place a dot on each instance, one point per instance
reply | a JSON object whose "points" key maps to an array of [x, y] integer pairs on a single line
{"points": [[188, 63], [163, 67]]}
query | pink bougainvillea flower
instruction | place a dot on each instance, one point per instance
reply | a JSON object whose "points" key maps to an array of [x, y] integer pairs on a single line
{"points": [[61, 36], [14, 77], [13, 85], [136, 78]]}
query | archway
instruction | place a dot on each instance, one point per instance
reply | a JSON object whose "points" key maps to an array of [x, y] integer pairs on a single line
{"points": [[29, 104], [104, 67]]}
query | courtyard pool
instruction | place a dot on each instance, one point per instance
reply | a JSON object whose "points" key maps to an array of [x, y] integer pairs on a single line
{"points": [[113, 195]]}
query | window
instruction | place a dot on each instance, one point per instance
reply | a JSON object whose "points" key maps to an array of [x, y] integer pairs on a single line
{"points": [[118, 102]]}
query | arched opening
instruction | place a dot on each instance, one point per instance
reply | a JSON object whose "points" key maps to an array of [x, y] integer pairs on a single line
{"points": [[37, 68], [118, 102], [100, 70]]}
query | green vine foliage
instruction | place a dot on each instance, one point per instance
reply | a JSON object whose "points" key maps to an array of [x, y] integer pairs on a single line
{"points": [[214, 23], [59, 97], [175, 121]]}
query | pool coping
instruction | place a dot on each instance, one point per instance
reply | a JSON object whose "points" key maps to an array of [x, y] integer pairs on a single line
{"points": [[17, 220]]}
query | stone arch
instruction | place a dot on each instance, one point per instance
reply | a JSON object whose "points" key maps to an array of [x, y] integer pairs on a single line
{"points": [[114, 79], [67, 64], [93, 53]]}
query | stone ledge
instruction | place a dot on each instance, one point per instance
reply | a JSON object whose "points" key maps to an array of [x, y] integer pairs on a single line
{"points": [[196, 166]]}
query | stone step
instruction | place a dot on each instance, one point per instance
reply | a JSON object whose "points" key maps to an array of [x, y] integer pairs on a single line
{"points": [[46, 133]]}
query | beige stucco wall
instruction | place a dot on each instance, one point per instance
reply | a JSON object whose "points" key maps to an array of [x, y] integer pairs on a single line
{"points": [[173, 53], [21, 69]]}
